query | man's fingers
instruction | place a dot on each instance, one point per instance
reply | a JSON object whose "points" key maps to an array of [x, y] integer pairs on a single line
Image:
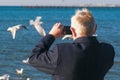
{"points": [[60, 26]]}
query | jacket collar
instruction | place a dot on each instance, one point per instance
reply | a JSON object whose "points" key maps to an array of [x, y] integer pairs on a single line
{"points": [[89, 39]]}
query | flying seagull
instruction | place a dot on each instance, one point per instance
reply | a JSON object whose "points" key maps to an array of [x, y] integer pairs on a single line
{"points": [[25, 61], [19, 71], [28, 79], [37, 24], [13, 29], [5, 77]]}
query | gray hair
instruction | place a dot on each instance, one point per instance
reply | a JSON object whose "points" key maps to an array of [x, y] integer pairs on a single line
{"points": [[84, 20]]}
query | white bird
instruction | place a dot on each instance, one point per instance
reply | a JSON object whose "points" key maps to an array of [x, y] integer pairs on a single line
{"points": [[5, 77], [37, 24], [28, 79], [13, 29], [69, 36], [20, 72], [25, 61], [95, 35]]}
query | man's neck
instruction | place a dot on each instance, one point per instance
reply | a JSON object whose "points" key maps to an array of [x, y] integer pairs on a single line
{"points": [[80, 36]]}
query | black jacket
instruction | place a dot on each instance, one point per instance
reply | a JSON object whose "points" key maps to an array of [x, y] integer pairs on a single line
{"points": [[84, 59]]}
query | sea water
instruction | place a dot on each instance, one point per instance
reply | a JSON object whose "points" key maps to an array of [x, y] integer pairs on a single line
{"points": [[12, 52]]}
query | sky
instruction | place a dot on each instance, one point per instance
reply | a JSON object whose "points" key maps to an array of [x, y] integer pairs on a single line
{"points": [[55, 2]]}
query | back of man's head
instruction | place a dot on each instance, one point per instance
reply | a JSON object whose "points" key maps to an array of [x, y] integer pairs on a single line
{"points": [[83, 22]]}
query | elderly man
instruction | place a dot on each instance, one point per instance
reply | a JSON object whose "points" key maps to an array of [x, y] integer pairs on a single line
{"points": [[84, 59]]}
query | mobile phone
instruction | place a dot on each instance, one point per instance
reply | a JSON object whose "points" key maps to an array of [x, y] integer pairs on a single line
{"points": [[66, 30]]}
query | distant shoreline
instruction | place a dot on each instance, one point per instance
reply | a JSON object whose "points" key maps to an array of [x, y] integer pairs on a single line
{"points": [[64, 6], [58, 6]]}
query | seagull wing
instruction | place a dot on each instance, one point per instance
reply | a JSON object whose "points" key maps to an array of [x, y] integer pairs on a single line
{"points": [[95, 35], [23, 26], [25, 61], [13, 32], [5, 77], [40, 30], [2, 77], [66, 37], [38, 18], [18, 71]]}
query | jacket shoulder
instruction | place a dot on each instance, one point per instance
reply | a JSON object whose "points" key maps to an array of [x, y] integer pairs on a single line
{"points": [[107, 45], [107, 48], [64, 44]]}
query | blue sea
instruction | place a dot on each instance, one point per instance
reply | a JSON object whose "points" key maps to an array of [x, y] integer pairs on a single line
{"points": [[12, 52]]}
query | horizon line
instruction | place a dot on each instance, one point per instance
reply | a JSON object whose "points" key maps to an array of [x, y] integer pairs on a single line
{"points": [[66, 5]]}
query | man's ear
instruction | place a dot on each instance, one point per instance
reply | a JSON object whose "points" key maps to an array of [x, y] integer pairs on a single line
{"points": [[73, 32], [95, 28]]}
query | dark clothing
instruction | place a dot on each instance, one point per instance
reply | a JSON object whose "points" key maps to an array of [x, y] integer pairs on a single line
{"points": [[84, 59]]}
